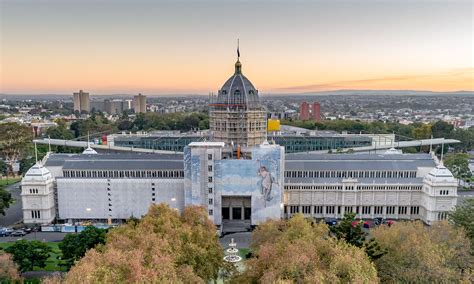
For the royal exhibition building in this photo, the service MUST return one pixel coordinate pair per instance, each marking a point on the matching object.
(241, 175)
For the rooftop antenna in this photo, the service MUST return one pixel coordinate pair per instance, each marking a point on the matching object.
(238, 50)
(431, 143)
(36, 153)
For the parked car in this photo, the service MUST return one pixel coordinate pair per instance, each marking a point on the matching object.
(331, 221)
(18, 233)
(366, 224)
(5, 232)
(378, 221)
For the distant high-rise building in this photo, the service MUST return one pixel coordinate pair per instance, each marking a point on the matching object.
(81, 101)
(316, 111)
(304, 111)
(139, 103)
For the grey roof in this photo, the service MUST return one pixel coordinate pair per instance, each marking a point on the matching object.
(117, 161)
(343, 162)
(367, 181)
(238, 91)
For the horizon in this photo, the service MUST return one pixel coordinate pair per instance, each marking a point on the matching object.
(189, 47)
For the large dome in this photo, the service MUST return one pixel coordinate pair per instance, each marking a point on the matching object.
(238, 92)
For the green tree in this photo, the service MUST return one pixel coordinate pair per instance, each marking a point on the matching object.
(3, 168)
(60, 131)
(28, 254)
(349, 231)
(75, 246)
(5, 200)
(463, 217)
(458, 164)
(422, 132)
(14, 140)
(301, 251)
(442, 129)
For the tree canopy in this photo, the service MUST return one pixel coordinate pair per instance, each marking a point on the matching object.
(164, 246)
(463, 217)
(301, 251)
(458, 164)
(74, 246)
(14, 139)
(8, 269)
(417, 253)
(28, 254)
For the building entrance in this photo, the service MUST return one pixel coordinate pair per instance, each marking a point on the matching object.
(236, 213)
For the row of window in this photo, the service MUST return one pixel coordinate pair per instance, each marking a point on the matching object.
(444, 192)
(34, 191)
(124, 174)
(358, 187)
(350, 174)
(378, 210)
(35, 214)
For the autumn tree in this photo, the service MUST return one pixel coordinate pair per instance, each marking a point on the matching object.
(301, 251)
(28, 254)
(417, 253)
(14, 139)
(8, 269)
(164, 246)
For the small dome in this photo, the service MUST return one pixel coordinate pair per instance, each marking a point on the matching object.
(37, 173)
(393, 151)
(440, 174)
(238, 92)
(89, 151)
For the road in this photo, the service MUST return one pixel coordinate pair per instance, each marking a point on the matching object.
(13, 214)
(40, 236)
(242, 239)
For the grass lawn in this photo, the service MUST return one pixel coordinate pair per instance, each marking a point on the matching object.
(5, 182)
(243, 252)
(52, 264)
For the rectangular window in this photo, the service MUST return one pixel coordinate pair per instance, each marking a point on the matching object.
(306, 209)
(318, 209)
(390, 209)
(209, 168)
(211, 212)
(210, 189)
(378, 210)
(210, 201)
(329, 209)
(209, 179)
(209, 157)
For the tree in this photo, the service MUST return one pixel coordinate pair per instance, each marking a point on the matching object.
(417, 253)
(301, 251)
(60, 131)
(463, 217)
(8, 269)
(422, 132)
(74, 246)
(5, 200)
(14, 139)
(351, 233)
(28, 254)
(458, 164)
(3, 168)
(163, 247)
(441, 129)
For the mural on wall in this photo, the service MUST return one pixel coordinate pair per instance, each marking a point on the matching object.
(259, 178)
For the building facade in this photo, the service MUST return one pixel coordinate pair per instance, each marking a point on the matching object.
(139, 103)
(81, 101)
(241, 179)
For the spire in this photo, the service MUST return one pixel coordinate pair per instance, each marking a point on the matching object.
(238, 65)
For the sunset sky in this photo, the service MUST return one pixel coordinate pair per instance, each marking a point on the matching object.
(181, 47)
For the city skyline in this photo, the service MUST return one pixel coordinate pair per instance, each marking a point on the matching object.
(184, 47)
